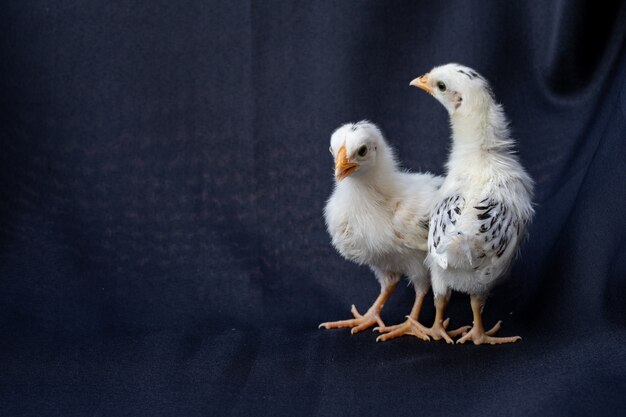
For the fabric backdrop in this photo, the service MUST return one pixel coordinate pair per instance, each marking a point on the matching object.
(163, 170)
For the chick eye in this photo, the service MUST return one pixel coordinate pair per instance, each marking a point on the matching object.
(441, 86)
(362, 151)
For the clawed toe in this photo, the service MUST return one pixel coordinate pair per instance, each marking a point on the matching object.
(407, 328)
(494, 329)
(386, 329)
(479, 336)
(359, 323)
(437, 331)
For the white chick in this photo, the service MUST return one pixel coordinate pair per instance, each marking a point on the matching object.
(484, 204)
(378, 215)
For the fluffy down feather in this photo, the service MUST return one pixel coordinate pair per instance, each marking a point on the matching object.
(377, 214)
(484, 204)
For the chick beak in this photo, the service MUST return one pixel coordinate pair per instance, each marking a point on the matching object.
(422, 82)
(343, 167)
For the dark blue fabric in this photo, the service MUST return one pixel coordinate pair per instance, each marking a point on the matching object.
(163, 169)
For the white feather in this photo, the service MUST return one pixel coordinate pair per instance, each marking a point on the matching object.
(378, 215)
(484, 204)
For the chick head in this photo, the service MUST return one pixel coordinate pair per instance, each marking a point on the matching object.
(460, 89)
(354, 147)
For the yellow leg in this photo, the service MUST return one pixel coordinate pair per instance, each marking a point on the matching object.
(438, 330)
(406, 328)
(413, 327)
(477, 334)
(363, 321)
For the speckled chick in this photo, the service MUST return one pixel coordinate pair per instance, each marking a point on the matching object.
(485, 203)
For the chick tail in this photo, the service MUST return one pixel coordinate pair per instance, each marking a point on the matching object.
(456, 245)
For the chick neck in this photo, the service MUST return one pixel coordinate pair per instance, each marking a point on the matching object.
(479, 135)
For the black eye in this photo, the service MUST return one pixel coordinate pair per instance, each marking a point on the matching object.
(441, 86)
(362, 151)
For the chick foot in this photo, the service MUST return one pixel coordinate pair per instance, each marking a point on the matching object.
(439, 330)
(360, 321)
(409, 328)
(413, 327)
(479, 336)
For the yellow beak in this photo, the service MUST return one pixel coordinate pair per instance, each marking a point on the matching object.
(343, 167)
(422, 82)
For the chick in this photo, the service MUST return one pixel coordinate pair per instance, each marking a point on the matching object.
(484, 204)
(378, 216)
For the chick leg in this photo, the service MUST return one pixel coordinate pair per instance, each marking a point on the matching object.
(439, 328)
(477, 334)
(413, 327)
(406, 328)
(370, 318)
